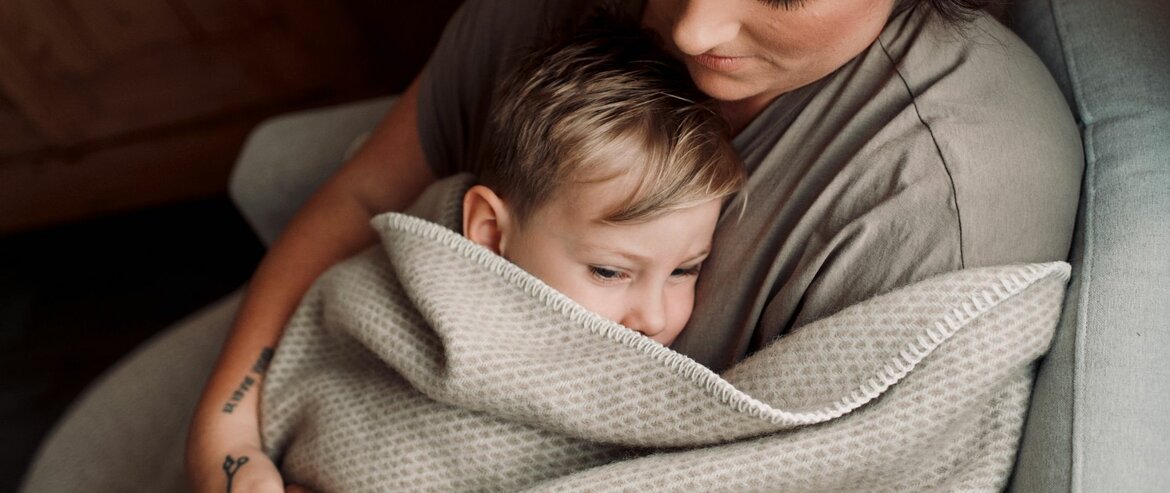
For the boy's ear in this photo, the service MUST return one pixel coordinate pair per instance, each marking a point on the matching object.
(486, 218)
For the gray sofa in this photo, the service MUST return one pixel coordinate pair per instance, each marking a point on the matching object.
(1097, 420)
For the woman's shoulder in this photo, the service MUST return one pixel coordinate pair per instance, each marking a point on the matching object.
(1003, 132)
(978, 72)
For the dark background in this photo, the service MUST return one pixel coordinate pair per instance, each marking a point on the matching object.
(114, 226)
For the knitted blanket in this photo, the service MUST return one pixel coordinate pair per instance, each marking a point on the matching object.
(431, 364)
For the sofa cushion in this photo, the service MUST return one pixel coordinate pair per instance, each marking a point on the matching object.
(289, 156)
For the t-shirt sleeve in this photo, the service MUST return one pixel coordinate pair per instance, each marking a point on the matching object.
(457, 84)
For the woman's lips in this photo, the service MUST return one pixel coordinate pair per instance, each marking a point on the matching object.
(719, 63)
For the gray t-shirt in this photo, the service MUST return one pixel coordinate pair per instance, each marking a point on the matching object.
(936, 149)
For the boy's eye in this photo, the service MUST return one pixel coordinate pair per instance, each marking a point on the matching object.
(605, 274)
(686, 271)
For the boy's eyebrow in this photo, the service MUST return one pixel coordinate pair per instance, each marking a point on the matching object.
(622, 253)
(643, 258)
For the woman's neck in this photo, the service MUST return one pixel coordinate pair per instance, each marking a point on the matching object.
(739, 114)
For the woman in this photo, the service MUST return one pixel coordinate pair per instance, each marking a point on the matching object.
(886, 141)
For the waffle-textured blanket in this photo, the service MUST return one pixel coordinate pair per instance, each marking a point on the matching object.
(431, 364)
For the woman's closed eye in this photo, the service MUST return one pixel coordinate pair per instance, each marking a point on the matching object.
(785, 4)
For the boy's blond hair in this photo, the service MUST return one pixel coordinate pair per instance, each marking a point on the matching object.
(600, 104)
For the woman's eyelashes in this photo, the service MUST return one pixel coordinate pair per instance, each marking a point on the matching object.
(785, 4)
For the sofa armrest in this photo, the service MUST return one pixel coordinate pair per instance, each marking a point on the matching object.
(288, 157)
(1098, 411)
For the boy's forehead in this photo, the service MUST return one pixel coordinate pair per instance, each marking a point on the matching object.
(573, 210)
(590, 201)
(577, 219)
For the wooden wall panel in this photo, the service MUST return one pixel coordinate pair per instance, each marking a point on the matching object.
(330, 40)
(188, 82)
(120, 27)
(160, 75)
(69, 185)
(402, 34)
(107, 105)
(17, 136)
(48, 32)
(37, 48)
(212, 17)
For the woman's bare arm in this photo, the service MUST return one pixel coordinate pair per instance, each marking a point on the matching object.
(387, 173)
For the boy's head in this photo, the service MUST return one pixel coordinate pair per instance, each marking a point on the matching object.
(602, 102)
(603, 174)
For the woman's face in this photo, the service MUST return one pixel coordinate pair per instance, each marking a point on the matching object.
(750, 51)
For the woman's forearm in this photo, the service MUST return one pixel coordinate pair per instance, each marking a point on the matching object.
(227, 418)
(388, 173)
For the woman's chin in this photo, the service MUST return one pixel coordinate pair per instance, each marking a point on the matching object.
(722, 87)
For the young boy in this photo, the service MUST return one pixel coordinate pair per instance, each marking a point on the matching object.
(602, 175)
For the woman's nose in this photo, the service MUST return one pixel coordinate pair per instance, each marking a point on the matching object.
(702, 25)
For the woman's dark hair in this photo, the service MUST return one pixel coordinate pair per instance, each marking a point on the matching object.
(955, 11)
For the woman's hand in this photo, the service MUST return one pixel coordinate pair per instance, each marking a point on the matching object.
(245, 470)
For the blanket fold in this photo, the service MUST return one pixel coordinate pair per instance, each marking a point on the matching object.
(431, 364)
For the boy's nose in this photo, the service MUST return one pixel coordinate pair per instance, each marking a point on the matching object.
(646, 315)
(702, 25)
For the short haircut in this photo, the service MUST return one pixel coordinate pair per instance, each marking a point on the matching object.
(599, 103)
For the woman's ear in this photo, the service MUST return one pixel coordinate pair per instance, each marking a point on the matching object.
(486, 218)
